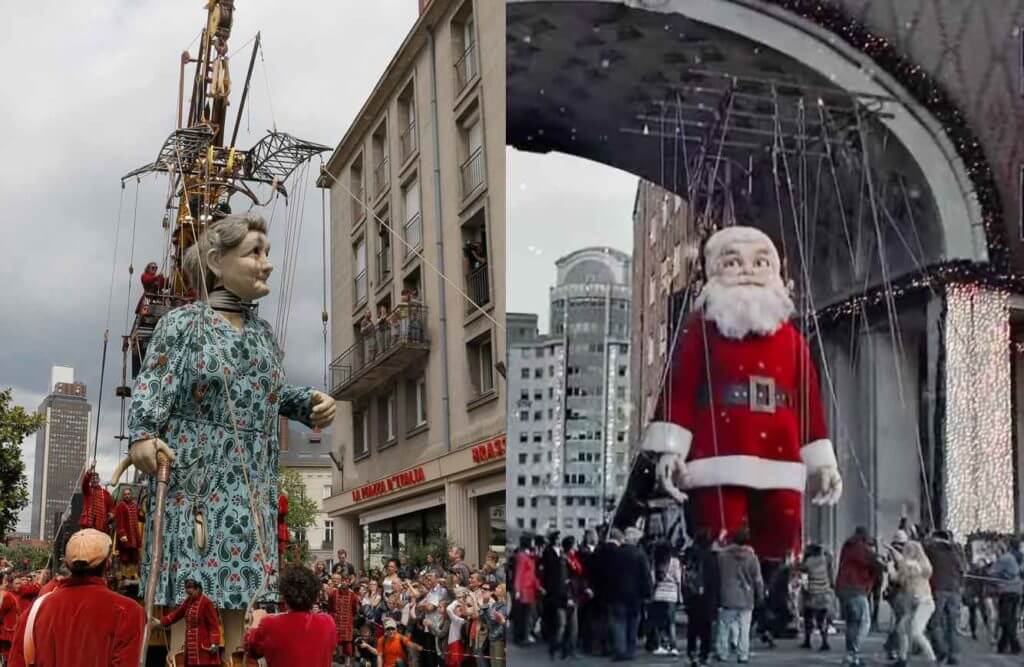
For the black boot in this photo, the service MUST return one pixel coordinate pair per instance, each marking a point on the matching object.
(807, 642)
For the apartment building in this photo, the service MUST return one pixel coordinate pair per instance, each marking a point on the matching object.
(417, 198)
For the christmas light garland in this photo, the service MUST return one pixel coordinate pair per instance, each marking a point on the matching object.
(932, 96)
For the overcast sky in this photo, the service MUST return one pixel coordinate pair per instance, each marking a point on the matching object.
(90, 93)
(556, 204)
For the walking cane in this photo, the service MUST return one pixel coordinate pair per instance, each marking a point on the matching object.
(163, 475)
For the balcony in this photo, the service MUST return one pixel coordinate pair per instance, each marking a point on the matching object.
(383, 265)
(358, 209)
(465, 68)
(407, 142)
(380, 178)
(472, 172)
(381, 352)
(478, 287)
(413, 231)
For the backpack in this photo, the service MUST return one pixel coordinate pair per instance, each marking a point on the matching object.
(693, 577)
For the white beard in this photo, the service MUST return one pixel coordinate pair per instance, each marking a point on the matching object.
(746, 309)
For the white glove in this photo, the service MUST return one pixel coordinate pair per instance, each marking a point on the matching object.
(830, 486)
(143, 454)
(669, 465)
(323, 410)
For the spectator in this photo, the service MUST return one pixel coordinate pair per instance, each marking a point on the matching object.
(949, 565)
(107, 627)
(668, 575)
(527, 589)
(343, 567)
(392, 647)
(320, 570)
(391, 577)
(496, 615)
(858, 568)
(913, 571)
(1007, 584)
(457, 566)
(817, 594)
(555, 579)
(628, 588)
(741, 589)
(461, 609)
(701, 585)
(298, 636)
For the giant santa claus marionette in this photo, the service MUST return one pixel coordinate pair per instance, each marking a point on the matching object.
(745, 426)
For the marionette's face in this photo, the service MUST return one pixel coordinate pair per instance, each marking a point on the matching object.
(244, 269)
(746, 263)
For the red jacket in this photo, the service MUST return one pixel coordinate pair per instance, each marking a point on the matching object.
(202, 629)
(344, 606)
(294, 638)
(8, 615)
(858, 567)
(126, 518)
(97, 506)
(83, 624)
(282, 523)
(526, 581)
(734, 444)
(27, 594)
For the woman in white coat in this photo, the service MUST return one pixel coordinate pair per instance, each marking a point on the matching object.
(913, 570)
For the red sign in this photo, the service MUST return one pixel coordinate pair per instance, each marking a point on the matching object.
(388, 484)
(490, 450)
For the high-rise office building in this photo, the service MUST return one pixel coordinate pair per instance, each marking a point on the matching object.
(569, 398)
(61, 446)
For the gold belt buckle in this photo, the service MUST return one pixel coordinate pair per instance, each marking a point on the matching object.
(762, 394)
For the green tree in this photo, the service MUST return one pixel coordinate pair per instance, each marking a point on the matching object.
(20, 554)
(15, 425)
(302, 511)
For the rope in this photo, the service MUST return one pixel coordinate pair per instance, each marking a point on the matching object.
(323, 259)
(266, 78)
(414, 251)
(131, 258)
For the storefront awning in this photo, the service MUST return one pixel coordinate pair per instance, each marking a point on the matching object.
(432, 499)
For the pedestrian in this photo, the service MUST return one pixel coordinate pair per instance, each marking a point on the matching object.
(343, 605)
(1006, 573)
(392, 647)
(82, 623)
(913, 570)
(741, 588)
(457, 566)
(496, 616)
(555, 579)
(899, 603)
(859, 566)
(298, 636)
(342, 566)
(701, 584)
(202, 627)
(818, 595)
(628, 588)
(458, 612)
(668, 575)
(8, 614)
(949, 565)
(527, 588)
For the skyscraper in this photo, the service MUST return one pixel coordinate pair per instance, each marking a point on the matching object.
(569, 397)
(61, 446)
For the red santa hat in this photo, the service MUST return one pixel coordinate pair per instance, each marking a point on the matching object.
(729, 236)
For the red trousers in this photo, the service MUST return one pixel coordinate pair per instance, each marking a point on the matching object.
(455, 655)
(774, 516)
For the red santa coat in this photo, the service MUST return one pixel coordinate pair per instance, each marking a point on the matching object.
(737, 444)
(126, 519)
(8, 619)
(293, 638)
(83, 624)
(202, 629)
(344, 606)
(97, 506)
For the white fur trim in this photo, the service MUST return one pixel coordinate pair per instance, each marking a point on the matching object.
(818, 454)
(750, 471)
(667, 438)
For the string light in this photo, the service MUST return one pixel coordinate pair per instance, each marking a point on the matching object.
(978, 485)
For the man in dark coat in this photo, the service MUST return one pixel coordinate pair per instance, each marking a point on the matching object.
(629, 581)
(555, 580)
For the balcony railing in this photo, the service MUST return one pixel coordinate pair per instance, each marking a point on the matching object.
(465, 68)
(413, 233)
(472, 172)
(407, 142)
(358, 210)
(380, 177)
(383, 265)
(382, 350)
(478, 287)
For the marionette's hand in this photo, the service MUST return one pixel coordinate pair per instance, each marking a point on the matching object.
(830, 486)
(323, 410)
(671, 467)
(143, 454)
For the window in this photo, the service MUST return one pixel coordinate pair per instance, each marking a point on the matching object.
(533, 524)
(536, 436)
(533, 501)
(536, 458)
(520, 523)
(538, 395)
(359, 281)
(381, 167)
(481, 364)
(581, 523)
(386, 412)
(524, 415)
(538, 415)
(521, 480)
(383, 255)
(327, 491)
(471, 149)
(356, 181)
(464, 43)
(535, 480)
(524, 374)
(475, 262)
(413, 227)
(524, 437)
(407, 121)
(524, 394)
(520, 502)
(538, 373)
(360, 434)
(522, 459)
(416, 403)
(329, 531)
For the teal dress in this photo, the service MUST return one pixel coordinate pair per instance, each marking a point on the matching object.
(194, 359)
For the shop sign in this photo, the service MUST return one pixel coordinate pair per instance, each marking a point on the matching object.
(385, 486)
(490, 450)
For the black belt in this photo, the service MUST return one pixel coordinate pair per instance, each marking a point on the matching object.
(760, 395)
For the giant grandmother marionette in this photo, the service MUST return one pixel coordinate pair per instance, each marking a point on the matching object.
(208, 397)
(745, 426)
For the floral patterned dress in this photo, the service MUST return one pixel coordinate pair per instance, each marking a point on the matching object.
(195, 360)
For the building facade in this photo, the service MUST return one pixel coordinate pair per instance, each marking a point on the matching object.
(569, 398)
(61, 449)
(307, 453)
(417, 289)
